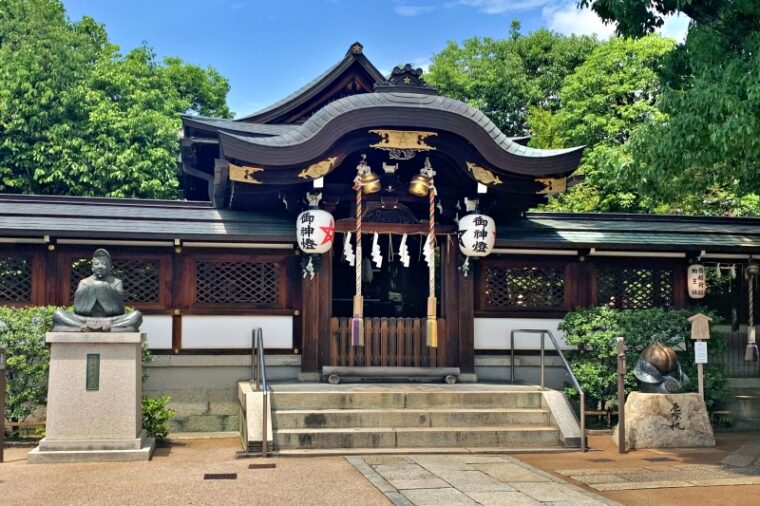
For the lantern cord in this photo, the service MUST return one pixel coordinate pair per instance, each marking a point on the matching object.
(751, 352)
(431, 324)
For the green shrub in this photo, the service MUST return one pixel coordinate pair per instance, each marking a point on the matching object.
(156, 416)
(22, 334)
(594, 332)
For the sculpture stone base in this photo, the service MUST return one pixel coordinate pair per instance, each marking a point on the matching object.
(94, 410)
(666, 421)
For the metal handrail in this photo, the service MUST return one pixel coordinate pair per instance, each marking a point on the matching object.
(259, 378)
(573, 379)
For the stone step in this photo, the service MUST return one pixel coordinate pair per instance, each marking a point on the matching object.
(417, 437)
(314, 400)
(438, 417)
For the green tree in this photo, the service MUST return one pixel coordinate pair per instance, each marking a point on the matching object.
(78, 117)
(602, 103)
(703, 154)
(504, 77)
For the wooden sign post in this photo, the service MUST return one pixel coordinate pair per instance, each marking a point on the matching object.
(700, 334)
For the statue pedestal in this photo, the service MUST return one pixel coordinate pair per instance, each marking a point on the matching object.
(94, 409)
(666, 421)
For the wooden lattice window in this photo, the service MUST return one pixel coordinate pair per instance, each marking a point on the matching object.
(15, 279)
(634, 287)
(524, 287)
(139, 277)
(237, 282)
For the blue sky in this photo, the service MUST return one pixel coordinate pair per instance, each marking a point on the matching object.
(269, 48)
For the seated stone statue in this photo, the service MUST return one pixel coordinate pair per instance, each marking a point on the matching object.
(98, 303)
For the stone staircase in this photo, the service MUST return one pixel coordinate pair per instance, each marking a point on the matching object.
(411, 417)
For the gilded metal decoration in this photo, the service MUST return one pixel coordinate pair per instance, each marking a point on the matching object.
(401, 154)
(319, 169)
(244, 174)
(483, 175)
(403, 139)
(552, 185)
(357, 48)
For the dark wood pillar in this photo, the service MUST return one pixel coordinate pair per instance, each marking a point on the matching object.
(317, 309)
(450, 298)
(466, 294)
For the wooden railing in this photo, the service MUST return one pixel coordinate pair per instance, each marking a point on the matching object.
(387, 342)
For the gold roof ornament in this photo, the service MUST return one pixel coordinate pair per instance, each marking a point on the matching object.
(319, 169)
(403, 140)
(483, 175)
(552, 185)
(244, 174)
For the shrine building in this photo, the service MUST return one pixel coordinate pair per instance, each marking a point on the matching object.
(449, 258)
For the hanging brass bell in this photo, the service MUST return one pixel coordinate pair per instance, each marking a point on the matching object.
(419, 186)
(370, 183)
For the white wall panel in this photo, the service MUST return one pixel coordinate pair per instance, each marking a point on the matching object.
(493, 333)
(159, 331)
(235, 331)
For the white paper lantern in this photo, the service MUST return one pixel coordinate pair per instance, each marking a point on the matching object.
(315, 231)
(477, 235)
(696, 281)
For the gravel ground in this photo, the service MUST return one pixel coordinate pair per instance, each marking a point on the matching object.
(175, 476)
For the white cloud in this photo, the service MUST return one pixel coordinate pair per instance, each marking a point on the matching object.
(569, 19)
(413, 10)
(675, 27)
(502, 6)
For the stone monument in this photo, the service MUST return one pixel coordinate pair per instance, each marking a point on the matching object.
(94, 410)
(661, 416)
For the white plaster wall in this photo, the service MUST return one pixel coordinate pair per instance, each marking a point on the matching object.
(159, 331)
(235, 331)
(493, 333)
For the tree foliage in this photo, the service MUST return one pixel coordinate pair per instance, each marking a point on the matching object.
(22, 334)
(702, 155)
(504, 77)
(602, 102)
(79, 117)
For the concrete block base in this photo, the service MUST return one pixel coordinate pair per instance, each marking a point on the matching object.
(145, 452)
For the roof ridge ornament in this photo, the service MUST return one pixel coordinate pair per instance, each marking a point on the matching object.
(356, 48)
(406, 79)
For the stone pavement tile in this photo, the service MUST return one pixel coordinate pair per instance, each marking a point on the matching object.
(473, 481)
(484, 459)
(402, 472)
(369, 473)
(438, 497)
(509, 472)
(591, 472)
(688, 467)
(549, 491)
(442, 462)
(587, 502)
(398, 499)
(374, 460)
(748, 449)
(640, 485)
(503, 499)
(738, 460)
(745, 480)
(424, 483)
(599, 478)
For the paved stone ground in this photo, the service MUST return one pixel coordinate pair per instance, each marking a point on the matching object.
(488, 480)
(741, 467)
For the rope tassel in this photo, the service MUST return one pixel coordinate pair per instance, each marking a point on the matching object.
(357, 322)
(431, 325)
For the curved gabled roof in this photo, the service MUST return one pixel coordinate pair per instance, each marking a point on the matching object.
(398, 110)
(354, 56)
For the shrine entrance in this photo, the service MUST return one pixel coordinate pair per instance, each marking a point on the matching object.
(395, 288)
